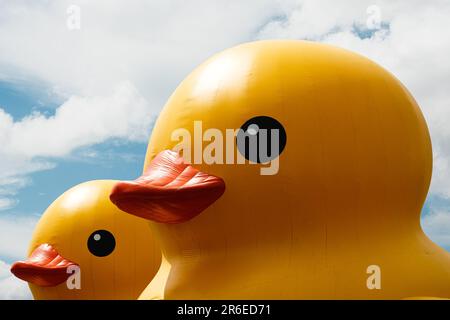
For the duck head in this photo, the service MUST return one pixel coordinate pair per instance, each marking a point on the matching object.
(113, 253)
(354, 167)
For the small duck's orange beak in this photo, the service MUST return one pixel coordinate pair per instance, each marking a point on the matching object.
(170, 191)
(45, 267)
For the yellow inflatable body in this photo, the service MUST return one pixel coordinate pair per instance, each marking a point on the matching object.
(115, 253)
(344, 204)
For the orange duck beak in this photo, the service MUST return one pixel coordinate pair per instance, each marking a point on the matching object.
(45, 267)
(170, 191)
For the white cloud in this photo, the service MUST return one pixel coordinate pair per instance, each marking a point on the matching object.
(437, 226)
(79, 122)
(6, 203)
(153, 44)
(13, 175)
(12, 288)
(15, 235)
(10, 184)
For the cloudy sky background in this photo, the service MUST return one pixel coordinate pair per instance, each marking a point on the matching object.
(79, 104)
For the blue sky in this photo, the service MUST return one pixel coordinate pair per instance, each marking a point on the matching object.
(113, 159)
(78, 104)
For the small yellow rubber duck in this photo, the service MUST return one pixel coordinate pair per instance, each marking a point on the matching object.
(85, 248)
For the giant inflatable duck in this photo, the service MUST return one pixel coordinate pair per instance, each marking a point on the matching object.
(113, 253)
(352, 164)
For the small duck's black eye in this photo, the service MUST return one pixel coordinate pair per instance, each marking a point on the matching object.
(101, 243)
(261, 139)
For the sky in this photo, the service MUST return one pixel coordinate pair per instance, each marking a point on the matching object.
(82, 82)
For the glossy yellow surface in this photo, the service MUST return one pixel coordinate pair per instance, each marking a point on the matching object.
(349, 191)
(67, 225)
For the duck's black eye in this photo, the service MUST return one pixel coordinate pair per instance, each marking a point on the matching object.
(261, 139)
(101, 243)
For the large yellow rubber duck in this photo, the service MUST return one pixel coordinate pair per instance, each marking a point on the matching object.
(114, 253)
(338, 217)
